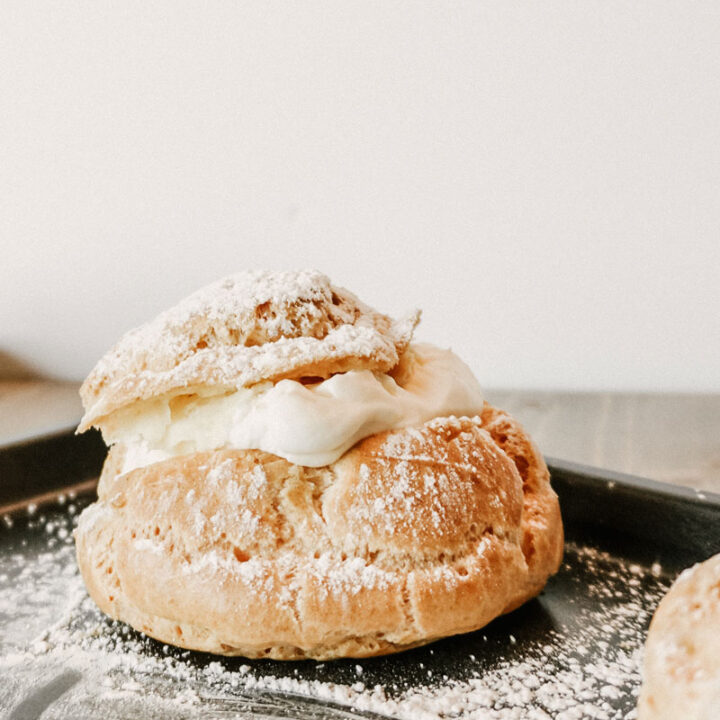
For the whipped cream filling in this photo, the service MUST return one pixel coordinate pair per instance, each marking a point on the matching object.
(307, 424)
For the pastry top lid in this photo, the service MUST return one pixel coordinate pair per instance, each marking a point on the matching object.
(242, 330)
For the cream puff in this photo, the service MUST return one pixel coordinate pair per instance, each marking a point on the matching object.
(289, 476)
(681, 668)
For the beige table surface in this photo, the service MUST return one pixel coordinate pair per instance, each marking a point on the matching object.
(670, 437)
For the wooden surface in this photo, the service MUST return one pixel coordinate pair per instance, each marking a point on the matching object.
(673, 438)
(31, 407)
(669, 437)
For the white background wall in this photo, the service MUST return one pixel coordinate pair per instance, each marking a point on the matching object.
(542, 178)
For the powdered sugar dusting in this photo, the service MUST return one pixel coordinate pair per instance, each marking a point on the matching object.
(574, 653)
(241, 330)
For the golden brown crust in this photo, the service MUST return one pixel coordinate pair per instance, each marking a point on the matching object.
(242, 330)
(542, 529)
(681, 667)
(414, 534)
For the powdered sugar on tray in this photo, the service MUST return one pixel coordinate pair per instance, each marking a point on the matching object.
(574, 653)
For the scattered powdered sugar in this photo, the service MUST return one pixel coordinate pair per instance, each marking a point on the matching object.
(574, 653)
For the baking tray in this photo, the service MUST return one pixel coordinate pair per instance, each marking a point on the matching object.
(573, 652)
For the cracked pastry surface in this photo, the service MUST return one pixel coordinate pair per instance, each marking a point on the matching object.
(429, 527)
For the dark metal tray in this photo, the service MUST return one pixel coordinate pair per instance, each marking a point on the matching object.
(573, 652)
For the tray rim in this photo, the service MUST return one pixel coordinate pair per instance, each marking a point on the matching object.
(603, 478)
(17, 441)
